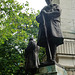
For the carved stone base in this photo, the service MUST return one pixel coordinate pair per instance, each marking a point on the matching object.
(51, 70)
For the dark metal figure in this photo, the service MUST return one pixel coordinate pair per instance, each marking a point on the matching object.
(31, 57)
(49, 35)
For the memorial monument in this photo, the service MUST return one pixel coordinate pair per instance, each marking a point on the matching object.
(49, 37)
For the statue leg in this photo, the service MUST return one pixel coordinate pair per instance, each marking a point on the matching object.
(48, 54)
(33, 71)
(53, 50)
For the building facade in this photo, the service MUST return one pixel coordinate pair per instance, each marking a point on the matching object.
(66, 52)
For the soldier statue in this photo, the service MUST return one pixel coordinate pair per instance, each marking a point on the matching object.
(49, 35)
(31, 57)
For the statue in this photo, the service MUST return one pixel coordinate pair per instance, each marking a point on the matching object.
(49, 35)
(31, 57)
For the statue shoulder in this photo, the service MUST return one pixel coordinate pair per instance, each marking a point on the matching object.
(45, 7)
(56, 5)
(32, 42)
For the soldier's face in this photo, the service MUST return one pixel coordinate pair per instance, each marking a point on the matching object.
(48, 1)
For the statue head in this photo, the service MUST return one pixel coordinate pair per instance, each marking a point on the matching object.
(48, 1)
(31, 39)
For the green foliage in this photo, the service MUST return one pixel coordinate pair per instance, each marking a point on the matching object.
(16, 28)
(42, 54)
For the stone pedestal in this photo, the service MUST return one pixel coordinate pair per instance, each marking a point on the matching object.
(51, 70)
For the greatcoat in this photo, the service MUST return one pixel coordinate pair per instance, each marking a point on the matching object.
(49, 17)
(31, 56)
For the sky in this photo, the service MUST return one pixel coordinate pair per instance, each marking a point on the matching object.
(35, 4)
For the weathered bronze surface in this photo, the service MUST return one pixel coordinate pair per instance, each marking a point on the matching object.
(49, 35)
(31, 57)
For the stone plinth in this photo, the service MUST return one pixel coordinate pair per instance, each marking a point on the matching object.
(52, 70)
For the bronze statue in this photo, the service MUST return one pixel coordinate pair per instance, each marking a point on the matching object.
(31, 57)
(49, 35)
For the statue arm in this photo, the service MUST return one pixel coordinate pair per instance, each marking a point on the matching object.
(54, 13)
(39, 18)
(30, 47)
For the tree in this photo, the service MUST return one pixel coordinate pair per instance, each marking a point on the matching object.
(15, 29)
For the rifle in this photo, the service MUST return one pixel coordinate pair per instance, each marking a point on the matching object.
(45, 28)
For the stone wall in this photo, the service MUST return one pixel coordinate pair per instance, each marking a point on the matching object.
(68, 16)
(66, 52)
(67, 48)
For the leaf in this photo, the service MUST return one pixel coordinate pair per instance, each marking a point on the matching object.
(17, 28)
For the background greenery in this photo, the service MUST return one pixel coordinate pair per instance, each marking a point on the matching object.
(16, 27)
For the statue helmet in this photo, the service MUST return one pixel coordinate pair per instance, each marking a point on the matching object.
(31, 39)
(48, 1)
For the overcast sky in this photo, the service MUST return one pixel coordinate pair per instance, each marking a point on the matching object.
(36, 4)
